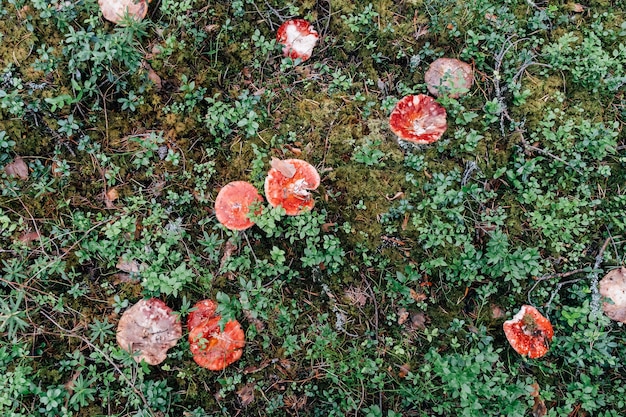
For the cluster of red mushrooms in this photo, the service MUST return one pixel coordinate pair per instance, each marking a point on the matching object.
(288, 184)
(150, 328)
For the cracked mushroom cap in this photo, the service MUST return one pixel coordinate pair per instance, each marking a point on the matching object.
(114, 10)
(211, 347)
(449, 76)
(203, 310)
(613, 288)
(233, 202)
(418, 119)
(288, 184)
(150, 328)
(298, 38)
(529, 333)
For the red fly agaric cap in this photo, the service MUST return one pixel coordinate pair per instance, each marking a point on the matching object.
(449, 76)
(529, 333)
(288, 183)
(298, 38)
(150, 328)
(613, 288)
(212, 348)
(114, 10)
(418, 119)
(233, 202)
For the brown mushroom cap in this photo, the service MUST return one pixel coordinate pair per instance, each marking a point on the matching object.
(288, 183)
(418, 119)
(529, 333)
(613, 287)
(150, 328)
(233, 202)
(449, 76)
(114, 10)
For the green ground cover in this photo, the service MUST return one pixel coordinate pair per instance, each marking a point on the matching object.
(388, 298)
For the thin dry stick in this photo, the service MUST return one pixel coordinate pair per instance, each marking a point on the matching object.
(595, 295)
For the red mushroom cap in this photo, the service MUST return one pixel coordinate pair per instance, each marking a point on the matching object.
(149, 327)
(298, 37)
(418, 119)
(214, 349)
(449, 75)
(114, 10)
(204, 310)
(529, 333)
(288, 183)
(232, 204)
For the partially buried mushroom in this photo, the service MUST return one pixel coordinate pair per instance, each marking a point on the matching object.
(211, 347)
(418, 119)
(449, 76)
(233, 202)
(529, 333)
(115, 10)
(298, 38)
(613, 288)
(149, 328)
(289, 183)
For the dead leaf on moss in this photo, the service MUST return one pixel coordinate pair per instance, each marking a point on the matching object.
(229, 249)
(497, 312)
(29, 237)
(404, 370)
(17, 168)
(132, 267)
(417, 296)
(357, 296)
(403, 315)
(576, 7)
(418, 321)
(246, 394)
(287, 169)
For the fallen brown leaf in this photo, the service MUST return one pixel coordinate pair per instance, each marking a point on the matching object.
(29, 237)
(284, 167)
(132, 267)
(356, 296)
(497, 312)
(246, 394)
(404, 370)
(417, 296)
(17, 168)
(418, 321)
(403, 315)
(576, 7)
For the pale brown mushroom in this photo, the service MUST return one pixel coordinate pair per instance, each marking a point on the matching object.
(613, 288)
(449, 76)
(149, 328)
(114, 10)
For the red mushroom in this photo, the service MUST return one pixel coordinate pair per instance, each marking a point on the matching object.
(298, 37)
(449, 76)
(233, 202)
(212, 348)
(150, 328)
(613, 288)
(529, 333)
(204, 310)
(418, 119)
(114, 10)
(288, 183)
